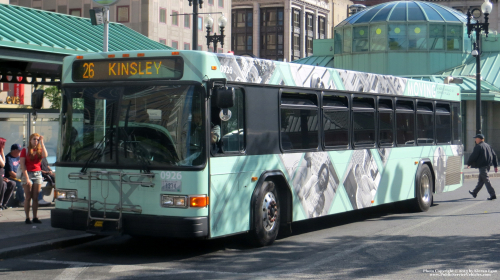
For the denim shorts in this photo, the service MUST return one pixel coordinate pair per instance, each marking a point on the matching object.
(35, 177)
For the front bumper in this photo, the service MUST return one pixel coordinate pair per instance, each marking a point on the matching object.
(137, 224)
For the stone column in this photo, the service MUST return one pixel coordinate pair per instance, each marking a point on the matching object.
(256, 29)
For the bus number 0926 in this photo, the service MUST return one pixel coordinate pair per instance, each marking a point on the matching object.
(226, 69)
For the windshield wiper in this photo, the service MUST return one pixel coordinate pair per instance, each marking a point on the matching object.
(94, 154)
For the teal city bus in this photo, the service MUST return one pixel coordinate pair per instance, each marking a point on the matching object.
(191, 144)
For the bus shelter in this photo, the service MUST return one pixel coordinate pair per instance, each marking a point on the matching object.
(33, 44)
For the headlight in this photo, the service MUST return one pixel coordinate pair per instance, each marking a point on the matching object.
(173, 201)
(67, 194)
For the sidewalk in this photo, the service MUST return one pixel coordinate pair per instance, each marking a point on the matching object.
(18, 238)
(473, 173)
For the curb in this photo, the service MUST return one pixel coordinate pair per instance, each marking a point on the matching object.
(472, 176)
(37, 247)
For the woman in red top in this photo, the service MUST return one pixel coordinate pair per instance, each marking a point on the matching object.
(31, 164)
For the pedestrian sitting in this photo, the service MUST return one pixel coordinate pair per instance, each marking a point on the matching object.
(6, 186)
(482, 158)
(31, 164)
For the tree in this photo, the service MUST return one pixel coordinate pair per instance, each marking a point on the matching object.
(53, 94)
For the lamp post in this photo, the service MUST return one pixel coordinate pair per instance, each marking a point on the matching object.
(478, 27)
(195, 4)
(209, 22)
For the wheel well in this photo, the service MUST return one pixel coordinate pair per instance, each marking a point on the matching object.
(429, 164)
(284, 194)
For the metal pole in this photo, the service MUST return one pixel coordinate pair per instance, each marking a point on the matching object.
(106, 29)
(478, 82)
(195, 25)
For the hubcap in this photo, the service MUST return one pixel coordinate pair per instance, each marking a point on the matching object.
(269, 211)
(425, 190)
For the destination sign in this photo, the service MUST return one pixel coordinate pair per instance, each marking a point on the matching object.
(170, 68)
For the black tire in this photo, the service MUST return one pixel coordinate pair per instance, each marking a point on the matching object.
(265, 215)
(424, 187)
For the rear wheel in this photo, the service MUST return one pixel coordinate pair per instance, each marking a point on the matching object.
(423, 189)
(266, 214)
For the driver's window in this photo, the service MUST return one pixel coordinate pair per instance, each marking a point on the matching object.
(231, 132)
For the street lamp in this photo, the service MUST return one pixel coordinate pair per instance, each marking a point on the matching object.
(209, 23)
(478, 27)
(195, 4)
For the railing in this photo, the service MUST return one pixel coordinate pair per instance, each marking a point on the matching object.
(123, 178)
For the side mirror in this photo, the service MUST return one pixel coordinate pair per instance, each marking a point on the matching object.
(224, 97)
(37, 99)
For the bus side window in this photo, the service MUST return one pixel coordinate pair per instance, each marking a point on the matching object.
(232, 131)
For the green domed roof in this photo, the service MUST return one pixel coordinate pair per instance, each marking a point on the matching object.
(406, 11)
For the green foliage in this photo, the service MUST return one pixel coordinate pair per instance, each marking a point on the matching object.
(53, 94)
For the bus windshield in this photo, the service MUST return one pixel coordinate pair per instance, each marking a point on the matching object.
(131, 126)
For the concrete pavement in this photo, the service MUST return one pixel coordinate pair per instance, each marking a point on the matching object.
(18, 238)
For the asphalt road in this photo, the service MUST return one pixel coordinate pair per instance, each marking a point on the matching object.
(458, 238)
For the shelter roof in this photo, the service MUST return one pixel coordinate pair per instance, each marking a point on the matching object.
(38, 30)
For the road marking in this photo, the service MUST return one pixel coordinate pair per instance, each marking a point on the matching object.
(71, 272)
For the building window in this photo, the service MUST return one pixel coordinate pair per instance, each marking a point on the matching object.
(397, 37)
(187, 21)
(187, 46)
(321, 28)
(211, 49)
(75, 12)
(221, 3)
(454, 38)
(271, 33)
(175, 44)
(163, 41)
(200, 47)
(200, 23)
(360, 40)
(417, 37)
(122, 13)
(309, 33)
(242, 31)
(210, 2)
(163, 15)
(296, 46)
(175, 18)
(378, 37)
(219, 50)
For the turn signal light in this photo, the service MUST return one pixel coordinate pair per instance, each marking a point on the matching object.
(125, 55)
(198, 201)
(140, 54)
(214, 67)
(79, 57)
(175, 53)
(111, 56)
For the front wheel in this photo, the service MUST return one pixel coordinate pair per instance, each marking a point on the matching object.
(266, 214)
(424, 188)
